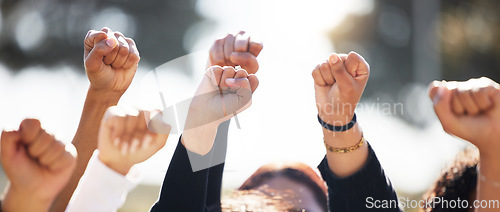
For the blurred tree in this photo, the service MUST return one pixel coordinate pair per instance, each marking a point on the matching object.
(51, 31)
(470, 39)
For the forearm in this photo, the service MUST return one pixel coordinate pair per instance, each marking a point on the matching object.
(85, 140)
(488, 187)
(18, 201)
(358, 191)
(345, 164)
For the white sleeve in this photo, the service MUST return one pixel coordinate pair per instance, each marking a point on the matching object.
(101, 189)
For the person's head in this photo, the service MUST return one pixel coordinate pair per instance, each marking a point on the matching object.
(456, 181)
(254, 200)
(295, 182)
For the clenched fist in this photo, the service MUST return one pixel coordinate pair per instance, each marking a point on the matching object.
(223, 93)
(125, 140)
(470, 110)
(37, 165)
(236, 50)
(110, 60)
(339, 83)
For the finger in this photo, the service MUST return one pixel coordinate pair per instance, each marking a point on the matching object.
(157, 125)
(496, 103)
(482, 98)
(228, 72)
(53, 152)
(110, 57)
(9, 143)
(216, 53)
(241, 42)
(457, 106)
(133, 57)
(254, 82)
(123, 51)
(214, 73)
(113, 123)
(464, 95)
(106, 30)
(357, 66)
(41, 143)
(241, 73)
(433, 88)
(66, 160)
(342, 77)
(246, 60)
(94, 59)
(29, 130)
(141, 121)
(255, 47)
(343, 57)
(318, 78)
(228, 48)
(325, 71)
(91, 39)
(130, 125)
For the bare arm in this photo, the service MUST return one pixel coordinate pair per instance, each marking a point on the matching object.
(110, 62)
(471, 110)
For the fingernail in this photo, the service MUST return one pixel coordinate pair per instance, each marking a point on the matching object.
(230, 81)
(438, 95)
(111, 42)
(334, 58)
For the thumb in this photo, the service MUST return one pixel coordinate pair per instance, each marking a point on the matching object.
(342, 77)
(93, 62)
(8, 146)
(442, 107)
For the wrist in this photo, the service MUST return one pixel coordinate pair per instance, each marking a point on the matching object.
(118, 166)
(104, 97)
(336, 119)
(489, 166)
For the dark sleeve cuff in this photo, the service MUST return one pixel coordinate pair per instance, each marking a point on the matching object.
(351, 193)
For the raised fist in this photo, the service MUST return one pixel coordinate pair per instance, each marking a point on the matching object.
(469, 110)
(235, 50)
(37, 165)
(110, 60)
(125, 140)
(223, 93)
(339, 83)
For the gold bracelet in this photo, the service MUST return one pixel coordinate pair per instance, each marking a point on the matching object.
(347, 149)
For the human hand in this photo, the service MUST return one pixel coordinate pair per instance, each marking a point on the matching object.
(470, 110)
(223, 93)
(339, 83)
(111, 61)
(234, 50)
(125, 139)
(37, 165)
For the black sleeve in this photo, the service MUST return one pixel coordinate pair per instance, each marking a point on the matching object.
(187, 186)
(361, 190)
